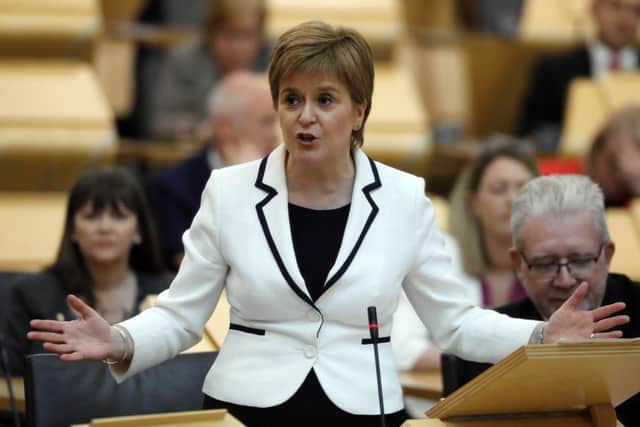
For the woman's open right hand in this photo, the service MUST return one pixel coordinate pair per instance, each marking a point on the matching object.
(89, 337)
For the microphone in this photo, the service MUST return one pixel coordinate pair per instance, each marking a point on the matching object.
(4, 365)
(373, 331)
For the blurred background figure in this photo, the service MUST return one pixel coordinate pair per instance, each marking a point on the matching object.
(613, 49)
(232, 39)
(243, 123)
(614, 159)
(108, 256)
(480, 210)
(500, 17)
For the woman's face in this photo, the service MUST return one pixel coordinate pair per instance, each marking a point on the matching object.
(499, 185)
(317, 116)
(236, 45)
(105, 237)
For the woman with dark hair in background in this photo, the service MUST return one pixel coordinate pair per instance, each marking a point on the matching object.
(108, 256)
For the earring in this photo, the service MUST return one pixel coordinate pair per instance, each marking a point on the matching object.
(137, 239)
(72, 237)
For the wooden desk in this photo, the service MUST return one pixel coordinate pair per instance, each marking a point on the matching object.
(32, 226)
(17, 384)
(424, 384)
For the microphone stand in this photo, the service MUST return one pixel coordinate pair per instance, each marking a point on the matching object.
(373, 330)
(4, 362)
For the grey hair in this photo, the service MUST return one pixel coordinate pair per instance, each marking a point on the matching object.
(558, 194)
(231, 95)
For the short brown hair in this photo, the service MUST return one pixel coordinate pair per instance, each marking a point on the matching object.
(219, 11)
(317, 47)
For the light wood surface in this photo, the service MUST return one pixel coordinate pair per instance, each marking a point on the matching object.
(45, 28)
(32, 225)
(550, 378)
(623, 231)
(54, 123)
(397, 130)
(565, 20)
(213, 417)
(17, 384)
(560, 421)
(635, 213)
(590, 103)
(424, 384)
(378, 21)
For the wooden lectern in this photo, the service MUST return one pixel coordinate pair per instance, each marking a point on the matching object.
(208, 418)
(568, 385)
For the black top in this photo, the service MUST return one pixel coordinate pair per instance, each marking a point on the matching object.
(317, 235)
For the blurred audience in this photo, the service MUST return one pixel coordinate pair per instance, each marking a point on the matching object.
(499, 17)
(614, 48)
(614, 159)
(108, 256)
(233, 38)
(243, 123)
(560, 241)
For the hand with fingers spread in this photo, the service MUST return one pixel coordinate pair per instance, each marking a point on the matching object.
(89, 337)
(571, 323)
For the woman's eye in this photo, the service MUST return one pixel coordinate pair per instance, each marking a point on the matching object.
(325, 100)
(291, 100)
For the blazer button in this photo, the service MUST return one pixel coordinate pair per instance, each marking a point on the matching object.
(313, 315)
(310, 352)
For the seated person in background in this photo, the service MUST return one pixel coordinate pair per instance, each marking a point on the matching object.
(108, 256)
(614, 48)
(243, 124)
(233, 39)
(479, 223)
(560, 240)
(479, 215)
(614, 159)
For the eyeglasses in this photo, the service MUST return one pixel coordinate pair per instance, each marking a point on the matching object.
(578, 268)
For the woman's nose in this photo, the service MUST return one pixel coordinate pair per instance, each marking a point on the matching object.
(307, 114)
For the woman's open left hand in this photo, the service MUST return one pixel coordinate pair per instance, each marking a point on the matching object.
(88, 337)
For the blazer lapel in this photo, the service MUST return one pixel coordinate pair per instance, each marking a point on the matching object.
(273, 214)
(362, 214)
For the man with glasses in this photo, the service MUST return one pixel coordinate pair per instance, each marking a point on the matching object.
(561, 240)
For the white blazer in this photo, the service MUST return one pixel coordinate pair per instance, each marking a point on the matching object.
(241, 240)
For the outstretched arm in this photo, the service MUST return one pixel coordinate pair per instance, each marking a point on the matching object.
(89, 337)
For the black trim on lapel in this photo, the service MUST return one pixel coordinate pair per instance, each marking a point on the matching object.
(271, 193)
(372, 215)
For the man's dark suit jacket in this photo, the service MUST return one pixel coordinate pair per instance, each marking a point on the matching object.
(546, 97)
(619, 288)
(175, 199)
